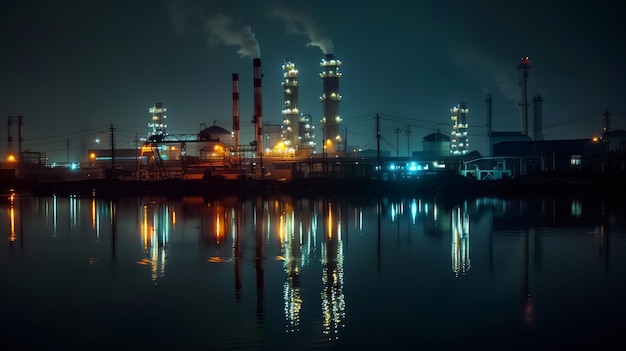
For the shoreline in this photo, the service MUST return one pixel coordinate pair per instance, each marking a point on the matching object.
(597, 185)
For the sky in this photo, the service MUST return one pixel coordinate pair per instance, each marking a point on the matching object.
(74, 69)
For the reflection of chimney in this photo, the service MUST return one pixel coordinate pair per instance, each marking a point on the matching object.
(537, 118)
(236, 109)
(258, 108)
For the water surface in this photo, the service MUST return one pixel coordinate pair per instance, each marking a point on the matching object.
(322, 273)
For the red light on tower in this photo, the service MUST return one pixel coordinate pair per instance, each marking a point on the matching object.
(525, 62)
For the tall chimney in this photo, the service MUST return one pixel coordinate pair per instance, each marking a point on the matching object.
(537, 118)
(235, 110)
(10, 137)
(20, 137)
(258, 108)
(523, 66)
(489, 113)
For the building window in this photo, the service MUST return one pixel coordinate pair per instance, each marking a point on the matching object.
(575, 160)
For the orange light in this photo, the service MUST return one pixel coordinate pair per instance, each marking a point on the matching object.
(595, 139)
(11, 158)
(92, 156)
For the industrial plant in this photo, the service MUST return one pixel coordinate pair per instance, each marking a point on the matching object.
(288, 151)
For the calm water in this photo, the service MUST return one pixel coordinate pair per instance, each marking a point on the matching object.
(283, 273)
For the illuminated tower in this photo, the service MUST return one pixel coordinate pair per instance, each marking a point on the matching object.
(291, 114)
(523, 66)
(307, 133)
(330, 99)
(459, 143)
(157, 124)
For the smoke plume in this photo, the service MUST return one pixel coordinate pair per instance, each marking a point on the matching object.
(503, 76)
(198, 16)
(297, 23)
(228, 31)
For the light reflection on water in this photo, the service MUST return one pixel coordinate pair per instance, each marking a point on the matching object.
(279, 272)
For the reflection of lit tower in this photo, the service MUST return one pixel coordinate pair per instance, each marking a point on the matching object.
(460, 241)
(260, 253)
(459, 143)
(330, 100)
(292, 253)
(291, 114)
(12, 222)
(157, 124)
(155, 234)
(523, 66)
(333, 302)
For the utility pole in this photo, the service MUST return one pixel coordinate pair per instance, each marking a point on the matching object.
(408, 134)
(345, 141)
(67, 147)
(112, 137)
(378, 144)
(397, 131)
(605, 138)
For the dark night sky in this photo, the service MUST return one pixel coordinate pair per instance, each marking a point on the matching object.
(73, 68)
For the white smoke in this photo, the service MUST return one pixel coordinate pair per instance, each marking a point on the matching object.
(504, 76)
(191, 16)
(298, 23)
(186, 15)
(228, 31)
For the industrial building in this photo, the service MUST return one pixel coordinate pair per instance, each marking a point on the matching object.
(288, 151)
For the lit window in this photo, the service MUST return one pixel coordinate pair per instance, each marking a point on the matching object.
(575, 160)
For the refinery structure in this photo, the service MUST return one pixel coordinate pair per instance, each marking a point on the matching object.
(288, 150)
(331, 121)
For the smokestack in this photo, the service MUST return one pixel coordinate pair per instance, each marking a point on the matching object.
(9, 136)
(523, 66)
(489, 113)
(537, 118)
(20, 136)
(236, 109)
(20, 140)
(258, 108)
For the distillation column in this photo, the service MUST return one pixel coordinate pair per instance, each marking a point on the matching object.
(459, 141)
(291, 113)
(330, 99)
(157, 124)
